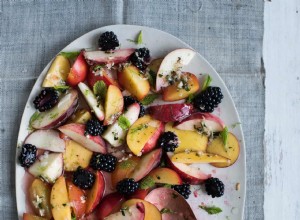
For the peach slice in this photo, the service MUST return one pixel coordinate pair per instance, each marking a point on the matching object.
(143, 135)
(151, 212)
(133, 81)
(39, 193)
(165, 198)
(146, 164)
(198, 157)
(27, 216)
(124, 169)
(76, 156)
(59, 200)
(77, 198)
(98, 73)
(189, 84)
(110, 204)
(96, 193)
(77, 132)
(134, 212)
(211, 122)
(165, 176)
(57, 73)
(78, 72)
(113, 105)
(190, 174)
(80, 116)
(172, 62)
(188, 140)
(102, 57)
(170, 112)
(231, 151)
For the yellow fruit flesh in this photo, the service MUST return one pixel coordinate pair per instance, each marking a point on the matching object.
(151, 212)
(188, 140)
(231, 151)
(61, 209)
(198, 157)
(57, 73)
(81, 116)
(113, 104)
(165, 176)
(75, 156)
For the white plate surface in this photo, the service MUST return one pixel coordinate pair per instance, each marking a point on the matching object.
(160, 43)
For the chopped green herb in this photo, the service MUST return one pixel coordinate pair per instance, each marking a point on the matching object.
(70, 55)
(224, 136)
(168, 186)
(115, 134)
(207, 82)
(140, 38)
(61, 88)
(123, 210)
(123, 122)
(34, 117)
(147, 182)
(149, 99)
(166, 210)
(54, 115)
(235, 124)
(190, 98)
(211, 209)
(100, 89)
(127, 164)
(138, 128)
(152, 78)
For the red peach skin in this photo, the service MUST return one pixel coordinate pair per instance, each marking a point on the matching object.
(170, 112)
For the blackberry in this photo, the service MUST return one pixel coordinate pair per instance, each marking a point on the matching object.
(105, 162)
(127, 186)
(209, 99)
(168, 141)
(214, 187)
(94, 127)
(108, 41)
(140, 58)
(128, 100)
(46, 99)
(184, 190)
(84, 179)
(28, 155)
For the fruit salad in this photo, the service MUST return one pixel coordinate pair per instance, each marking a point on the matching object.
(102, 147)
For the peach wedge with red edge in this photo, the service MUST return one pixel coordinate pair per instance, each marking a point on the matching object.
(231, 151)
(188, 173)
(102, 57)
(95, 194)
(188, 140)
(113, 106)
(46, 140)
(134, 212)
(81, 116)
(78, 72)
(92, 100)
(143, 135)
(124, 169)
(57, 73)
(77, 133)
(188, 85)
(173, 61)
(59, 200)
(212, 122)
(165, 198)
(39, 194)
(151, 212)
(57, 115)
(147, 163)
(100, 72)
(77, 198)
(133, 81)
(170, 112)
(165, 176)
(27, 216)
(110, 204)
(198, 157)
(76, 156)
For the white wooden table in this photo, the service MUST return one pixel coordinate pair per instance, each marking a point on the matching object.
(281, 53)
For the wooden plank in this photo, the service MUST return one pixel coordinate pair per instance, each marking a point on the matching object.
(282, 146)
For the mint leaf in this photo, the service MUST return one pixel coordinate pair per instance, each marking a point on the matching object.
(235, 124)
(123, 122)
(61, 88)
(100, 89)
(166, 210)
(140, 38)
(70, 55)
(207, 82)
(34, 117)
(152, 78)
(224, 136)
(212, 210)
(190, 98)
(149, 99)
(147, 182)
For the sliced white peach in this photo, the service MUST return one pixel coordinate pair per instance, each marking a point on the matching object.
(91, 100)
(114, 134)
(172, 62)
(151, 212)
(103, 57)
(198, 157)
(113, 104)
(77, 133)
(46, 140)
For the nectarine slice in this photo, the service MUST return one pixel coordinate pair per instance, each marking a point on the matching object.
(96, 193)
(165, 176)
(77, 198)
(198, 157)
(113, 104)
